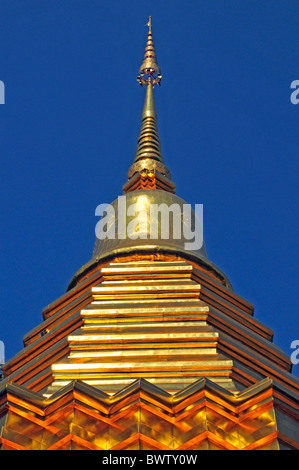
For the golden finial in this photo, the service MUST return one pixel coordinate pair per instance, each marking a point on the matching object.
(148, 157)
(149, 70)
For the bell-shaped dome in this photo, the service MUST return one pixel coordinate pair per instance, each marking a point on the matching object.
(149, 219)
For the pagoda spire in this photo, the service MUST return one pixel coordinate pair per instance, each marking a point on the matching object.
(148, 164)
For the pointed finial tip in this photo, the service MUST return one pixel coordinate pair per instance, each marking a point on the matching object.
(149, 24)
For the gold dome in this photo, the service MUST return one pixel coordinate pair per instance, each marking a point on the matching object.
(122, 240)
(150, 231)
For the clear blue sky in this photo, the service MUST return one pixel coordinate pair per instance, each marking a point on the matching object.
(69, 128)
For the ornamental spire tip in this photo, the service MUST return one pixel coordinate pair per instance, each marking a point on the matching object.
(149, 24)
(149, 71)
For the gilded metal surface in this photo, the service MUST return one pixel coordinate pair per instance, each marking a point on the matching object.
(149, 69)
(148, 164)
(148, 154)
(123, 243)
(149, 180)
(160, 341)
(135, 374)
(156, 307)
(147, 319)
(142, 416)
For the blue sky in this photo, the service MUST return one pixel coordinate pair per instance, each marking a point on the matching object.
(228, 131)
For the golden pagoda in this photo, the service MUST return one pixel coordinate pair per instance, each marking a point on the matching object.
(149, 348)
